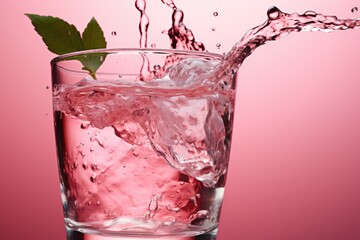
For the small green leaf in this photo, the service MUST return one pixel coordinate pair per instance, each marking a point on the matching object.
(93, 38)
(59, 36)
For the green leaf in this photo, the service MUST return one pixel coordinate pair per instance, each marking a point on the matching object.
(92, 62)
(93, 38)
(59, 36)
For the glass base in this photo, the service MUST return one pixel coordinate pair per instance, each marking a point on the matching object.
(76, 235)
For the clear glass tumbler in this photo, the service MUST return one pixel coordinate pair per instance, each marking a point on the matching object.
(143, 144)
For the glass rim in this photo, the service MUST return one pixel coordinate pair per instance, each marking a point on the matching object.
(63, 57)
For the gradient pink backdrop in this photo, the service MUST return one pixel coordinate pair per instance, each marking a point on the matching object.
(295, 167)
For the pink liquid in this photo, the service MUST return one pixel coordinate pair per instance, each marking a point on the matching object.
(157, 165)
(143, 157)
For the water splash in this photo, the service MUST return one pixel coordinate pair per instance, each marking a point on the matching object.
(278, 25)
(180, 36)
(144, 22)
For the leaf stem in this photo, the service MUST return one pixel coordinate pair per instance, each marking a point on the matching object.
(92, 74)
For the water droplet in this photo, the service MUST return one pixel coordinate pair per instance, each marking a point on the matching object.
(98, 203)
(85, 166)
(113, 33)
(273, 13)
(354, 9)
(95, 167)
(170, 3)
(74, 165)
(218, 45)
(135, 154)
(93, 178)
(84, 126)
(216, 14)
(89, 203)
(153, 45)
(101, 58)
(82, 154)
(213, 29)
(140, 5)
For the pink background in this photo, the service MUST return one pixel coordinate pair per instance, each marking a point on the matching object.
(295, 167)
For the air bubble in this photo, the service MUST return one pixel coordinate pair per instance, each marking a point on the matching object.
(93, 178)
(216, 14)
(82, 154)
(153, 45)
(85, 166)
(218, 45)
(354, 9)
(74, 165)
(213, 29)
(84, 126)
(95, 167)
(157, 67)
(135, 154)
(113, 33)
(47, 87)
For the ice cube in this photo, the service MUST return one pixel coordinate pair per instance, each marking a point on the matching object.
(190, 72)
(190, 134)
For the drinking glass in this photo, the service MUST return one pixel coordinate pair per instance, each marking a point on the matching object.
(143, 144)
